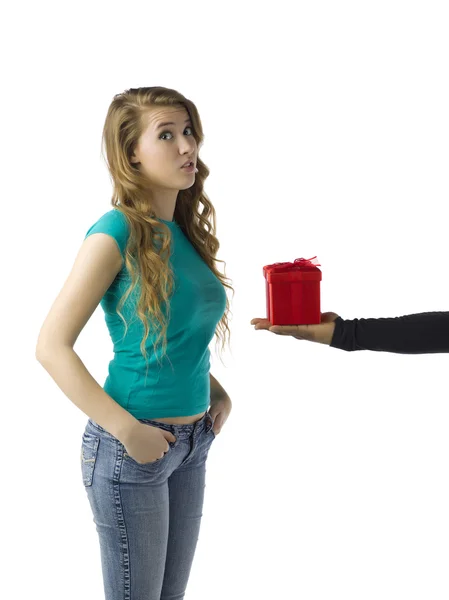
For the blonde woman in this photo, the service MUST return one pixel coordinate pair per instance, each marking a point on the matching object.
(150, 262)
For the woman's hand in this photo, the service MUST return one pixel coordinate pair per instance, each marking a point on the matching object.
(219, 411)
(321, 333)
(147, 443)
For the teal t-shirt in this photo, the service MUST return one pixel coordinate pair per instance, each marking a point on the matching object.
(179, 384)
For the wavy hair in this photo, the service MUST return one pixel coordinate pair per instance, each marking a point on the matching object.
(148, 249)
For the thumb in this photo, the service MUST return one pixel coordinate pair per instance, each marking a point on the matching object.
(168, 435)
(328, 317)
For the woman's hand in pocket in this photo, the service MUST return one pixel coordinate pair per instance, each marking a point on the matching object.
(146, 443)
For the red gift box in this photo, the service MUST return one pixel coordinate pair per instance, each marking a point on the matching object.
(293, 292)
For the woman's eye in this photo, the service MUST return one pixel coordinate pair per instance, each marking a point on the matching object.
(188, 129)
(161, 137)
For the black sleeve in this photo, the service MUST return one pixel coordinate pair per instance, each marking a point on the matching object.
(422, 333)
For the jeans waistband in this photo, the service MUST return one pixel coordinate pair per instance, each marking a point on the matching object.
(186, 429)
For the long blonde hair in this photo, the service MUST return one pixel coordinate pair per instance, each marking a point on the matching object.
(148, 263)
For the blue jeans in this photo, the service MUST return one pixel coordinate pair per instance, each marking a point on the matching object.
(147, 516)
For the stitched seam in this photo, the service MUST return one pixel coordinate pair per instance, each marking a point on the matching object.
(124, 546)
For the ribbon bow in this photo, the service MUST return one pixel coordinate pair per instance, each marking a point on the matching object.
(306, 262)
(298, 262)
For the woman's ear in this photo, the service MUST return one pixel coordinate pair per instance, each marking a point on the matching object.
(134, 159)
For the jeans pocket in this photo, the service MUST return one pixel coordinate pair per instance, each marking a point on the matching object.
(89, 451)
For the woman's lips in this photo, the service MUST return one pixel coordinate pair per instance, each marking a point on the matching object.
(189, 168)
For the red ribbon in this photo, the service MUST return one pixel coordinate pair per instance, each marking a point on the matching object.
(298, 263)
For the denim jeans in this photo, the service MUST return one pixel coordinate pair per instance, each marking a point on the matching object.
(147, 516)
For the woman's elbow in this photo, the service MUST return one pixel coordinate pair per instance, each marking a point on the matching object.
(46, 350)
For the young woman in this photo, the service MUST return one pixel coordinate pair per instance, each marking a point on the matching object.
(150, 262)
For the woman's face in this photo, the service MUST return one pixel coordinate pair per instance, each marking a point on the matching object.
(165, 145)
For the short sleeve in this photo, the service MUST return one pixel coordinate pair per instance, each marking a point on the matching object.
(112, 223)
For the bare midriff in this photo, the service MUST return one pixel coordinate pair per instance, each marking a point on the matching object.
(181, 420)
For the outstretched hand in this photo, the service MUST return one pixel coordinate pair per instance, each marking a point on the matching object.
(321, 333)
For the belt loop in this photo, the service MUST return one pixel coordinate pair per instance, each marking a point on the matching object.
(197, 427)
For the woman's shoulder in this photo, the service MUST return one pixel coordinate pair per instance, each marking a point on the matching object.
(112, 223)
(113, 218)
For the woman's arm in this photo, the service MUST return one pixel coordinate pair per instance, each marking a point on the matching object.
(216, 391)
(95, 268)
(421, 333)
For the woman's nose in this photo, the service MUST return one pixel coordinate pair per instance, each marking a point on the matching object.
(186, 146)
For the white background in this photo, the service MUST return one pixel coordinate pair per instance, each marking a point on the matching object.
(326, 134)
